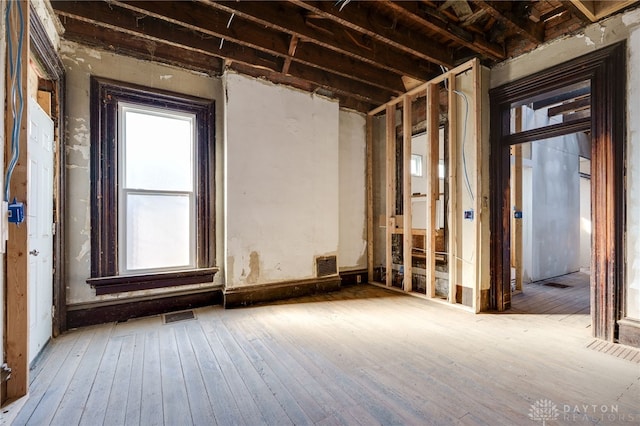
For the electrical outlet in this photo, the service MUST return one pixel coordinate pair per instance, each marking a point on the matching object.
(468, 214)
(358, 279)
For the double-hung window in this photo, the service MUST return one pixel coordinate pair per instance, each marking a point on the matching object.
(152, 188)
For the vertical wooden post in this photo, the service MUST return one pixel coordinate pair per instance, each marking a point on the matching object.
(407, 225)
(517, 188)
(391, 189)
(17, 284)
(453, 211)
(369, 173)
(476, 140)
(433, 183)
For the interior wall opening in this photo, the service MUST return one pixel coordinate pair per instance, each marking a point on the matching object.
(426, 191)
(550, 191)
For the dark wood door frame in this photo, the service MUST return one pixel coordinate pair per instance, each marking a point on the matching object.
(606, 70)
(45, 53)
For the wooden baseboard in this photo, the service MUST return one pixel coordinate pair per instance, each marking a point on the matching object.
(249, 295)
(629, 332)
(123, 311)
(485, 300)
(360, 276)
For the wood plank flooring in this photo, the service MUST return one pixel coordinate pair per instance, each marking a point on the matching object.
(361, 356)
(569, 305)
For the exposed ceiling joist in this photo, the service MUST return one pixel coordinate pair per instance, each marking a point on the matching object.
(421, 15)
(278, 16)
(533, 31)
(359, 18)
(157, 30)
(360, 52)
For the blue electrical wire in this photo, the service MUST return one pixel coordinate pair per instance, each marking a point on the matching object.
(464, 138)
(16, 87)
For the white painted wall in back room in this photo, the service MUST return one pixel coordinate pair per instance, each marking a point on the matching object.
(282, 180)
(352, 253)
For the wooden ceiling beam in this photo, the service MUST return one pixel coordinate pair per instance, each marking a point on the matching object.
(217, 23)
(532, 31)
(158, 31)
(141, 48)
(422, 15)
(278, 16)
(358, 17)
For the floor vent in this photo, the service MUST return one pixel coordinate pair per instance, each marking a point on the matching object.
(619, 351)
(178, 316)
(326, 265)
(556, 285)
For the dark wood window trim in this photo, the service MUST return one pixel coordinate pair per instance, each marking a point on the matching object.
(105, 96)
(606, 70)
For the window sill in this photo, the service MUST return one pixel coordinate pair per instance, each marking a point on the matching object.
(124, 283)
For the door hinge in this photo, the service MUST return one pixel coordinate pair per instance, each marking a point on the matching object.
(5, 372)
(53, 228)
(53, 311)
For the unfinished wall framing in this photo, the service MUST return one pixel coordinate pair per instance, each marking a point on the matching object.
(425, 189)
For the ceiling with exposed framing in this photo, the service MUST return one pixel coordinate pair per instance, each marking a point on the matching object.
(361, 52)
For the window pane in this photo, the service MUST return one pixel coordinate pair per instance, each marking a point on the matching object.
(158, 231)
(158, 151)
(558, 106)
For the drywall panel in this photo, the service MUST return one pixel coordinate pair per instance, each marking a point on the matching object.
(81, 63)
(282, 181)
(585, 223)
(352, 249)
(466, 183)
(556, 207)
(633, 179)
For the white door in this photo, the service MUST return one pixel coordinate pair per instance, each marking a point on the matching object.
(39, 213)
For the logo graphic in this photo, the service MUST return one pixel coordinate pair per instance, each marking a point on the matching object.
(543, 411)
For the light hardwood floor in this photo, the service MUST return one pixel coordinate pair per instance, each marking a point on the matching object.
(361, 356)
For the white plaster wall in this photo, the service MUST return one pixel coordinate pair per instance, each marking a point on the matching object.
(352, 249)
(81, 62)
(282, 182)
(379, 161)
(633, 178)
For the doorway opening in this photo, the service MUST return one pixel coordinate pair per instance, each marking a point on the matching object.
(582, 96)
(550, 187)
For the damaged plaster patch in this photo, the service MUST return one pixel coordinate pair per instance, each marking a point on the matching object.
(84, 250)
(166, 77)
(82, 149)
(254, 268)
(587, 39)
